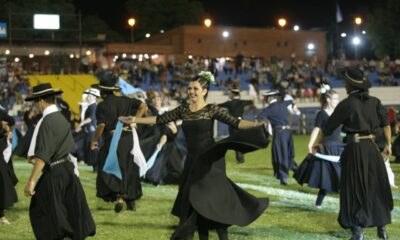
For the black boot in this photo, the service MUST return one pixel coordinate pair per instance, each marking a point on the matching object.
(119, 205)
(381, 233)
(357, 233)
(131, 205)
(222, 233)
(283, 181)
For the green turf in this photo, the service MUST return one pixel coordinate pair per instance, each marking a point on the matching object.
(291, 214)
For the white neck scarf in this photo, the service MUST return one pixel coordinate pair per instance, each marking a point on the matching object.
(7, 152)
(50, 109)
(31, 152)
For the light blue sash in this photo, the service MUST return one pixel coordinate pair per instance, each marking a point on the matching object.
(14, 139)
(111, 165)
(150, 162)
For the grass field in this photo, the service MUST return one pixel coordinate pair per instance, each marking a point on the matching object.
(291, 214)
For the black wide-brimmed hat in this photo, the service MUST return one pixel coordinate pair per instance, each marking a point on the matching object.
(43, 90)
(355, 77)
(107, 84)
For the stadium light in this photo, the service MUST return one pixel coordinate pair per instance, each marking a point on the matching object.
(225, 34)
(358, 20)
(310, 46)
(356, 41)
(282, 22)
(207, 22)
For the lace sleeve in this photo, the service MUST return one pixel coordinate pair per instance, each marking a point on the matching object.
(223, 116)
(170, 116)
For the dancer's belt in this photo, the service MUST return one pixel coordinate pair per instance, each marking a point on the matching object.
(62, 160)
(356, 138)
(282, 127)
(124, 129)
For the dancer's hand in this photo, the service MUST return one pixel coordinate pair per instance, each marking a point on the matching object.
(388, 150)
(126, 119)
(94, 145)
(314, 148)
(29, 188)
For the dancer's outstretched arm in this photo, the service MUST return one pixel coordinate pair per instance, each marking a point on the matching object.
(245, 124)
(138, 120)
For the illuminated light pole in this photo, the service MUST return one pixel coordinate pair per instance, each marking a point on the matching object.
(282, 23)
(356, 41)
(225, 35)
(207, 23)
(131, 23)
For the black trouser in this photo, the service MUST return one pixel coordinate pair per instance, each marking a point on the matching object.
(203, 226)
(1, 213)
(239, 157)
(320, 198)
(203, 233)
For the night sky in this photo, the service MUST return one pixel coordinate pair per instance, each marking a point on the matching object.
(309, 14)
(306, 13)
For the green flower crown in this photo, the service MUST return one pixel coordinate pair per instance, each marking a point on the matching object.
(208, 76)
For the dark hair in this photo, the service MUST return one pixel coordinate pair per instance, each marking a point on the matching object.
(323, 98)
(151, 94)
(48, 99)
(205, 84)
(362, 94)
(105, 92)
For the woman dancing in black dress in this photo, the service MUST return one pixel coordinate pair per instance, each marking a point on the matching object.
(207, 199)
(320, 173)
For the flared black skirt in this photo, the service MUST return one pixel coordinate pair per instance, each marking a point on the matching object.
(59, 208)
(365, 194)
(109, 187)
(206, 191)
(8, 180)
(319, 173)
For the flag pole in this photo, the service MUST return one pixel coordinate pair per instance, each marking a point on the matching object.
(339, 18)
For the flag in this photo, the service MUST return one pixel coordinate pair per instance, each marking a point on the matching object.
(126, 88)
(3, 30)
(339, 16)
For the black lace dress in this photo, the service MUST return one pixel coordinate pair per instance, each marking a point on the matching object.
(205, 192)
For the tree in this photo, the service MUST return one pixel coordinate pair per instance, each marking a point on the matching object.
(154, 15)
(383, 28)
(92, 26)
